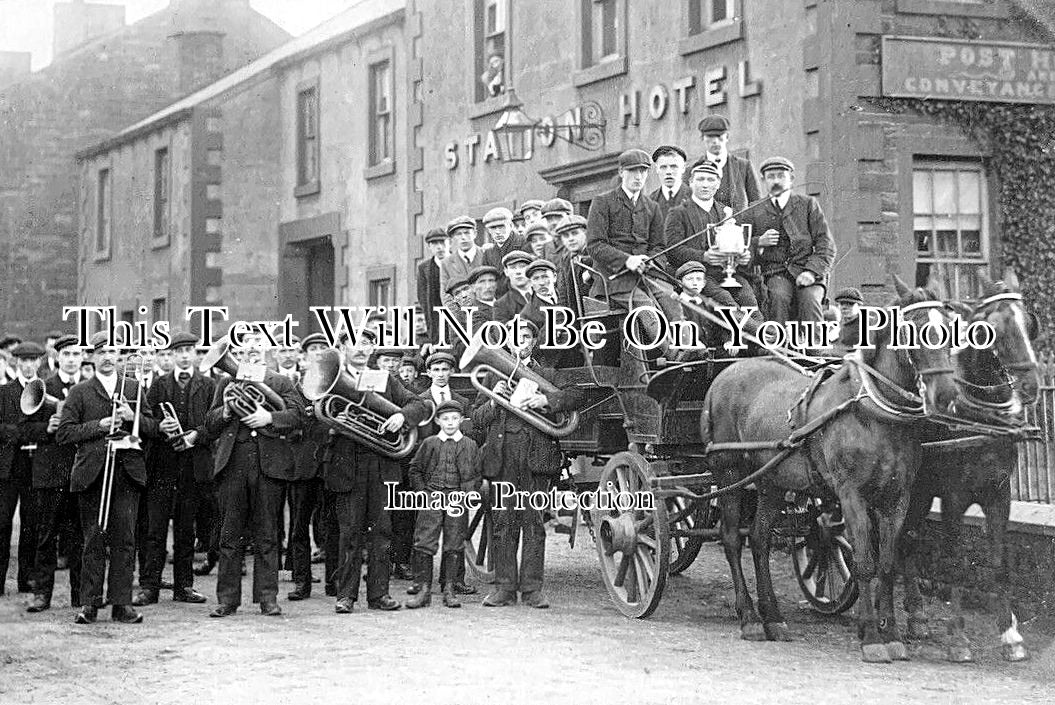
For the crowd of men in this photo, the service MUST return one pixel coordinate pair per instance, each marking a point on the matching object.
(128, 442)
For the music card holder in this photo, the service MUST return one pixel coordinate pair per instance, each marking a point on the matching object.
(252, 371)
(525, 389)
(372, 381)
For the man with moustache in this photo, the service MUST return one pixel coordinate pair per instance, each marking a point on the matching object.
(484, 281)
(739, 185)
(509, 304)
(56, 507)
(669, 163)
(429, 292)
(86, 422)
(179, 463)
(499, 225)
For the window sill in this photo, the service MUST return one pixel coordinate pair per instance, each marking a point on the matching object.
(159, 243)
(950, 7)
(308, 189)
(385, 168)
(600, 72)
(101, 257)
(707, 39)
(488, 106)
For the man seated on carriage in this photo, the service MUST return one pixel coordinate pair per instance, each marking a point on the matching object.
(515, 266)
(572, 234)
(517, 452)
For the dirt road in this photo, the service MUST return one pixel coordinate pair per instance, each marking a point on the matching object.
(580, 651)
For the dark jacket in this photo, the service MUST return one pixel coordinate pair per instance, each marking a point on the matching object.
(431, 429)
(616, 229)
(86, 405)
(425, 470)
(11, 431)
(166, 389)
(688, 219)
(52, 462)
(276, 455)
(683, 195)
(739, 185)
(804, 244)
(494, 254)
(429, 294)
(509, 305)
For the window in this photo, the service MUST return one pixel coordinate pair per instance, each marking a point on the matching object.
(308, 140)
(102, 214)
(159, 310)
(380, 293)
(710, 14)
(491, 68)
(711, 23)
(603, 27)
(950, 225)
(161, 195)
(381, 147)
(603, 42)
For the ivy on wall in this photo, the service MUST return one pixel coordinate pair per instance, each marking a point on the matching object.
(1021, 139)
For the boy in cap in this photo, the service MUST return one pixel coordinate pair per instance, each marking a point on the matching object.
(408, 373)
(428, 278)
(739, 185)
(531, 211)
(538, 239)
(446, 462)
(670, 167)
(515, 266)
(465, 254)
(849, 301)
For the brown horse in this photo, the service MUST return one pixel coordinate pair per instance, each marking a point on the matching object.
(964, 468)
(865, 456)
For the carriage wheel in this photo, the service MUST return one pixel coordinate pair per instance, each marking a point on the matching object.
(479, 542)
(823, 561)
(633, 545)
(684, 549)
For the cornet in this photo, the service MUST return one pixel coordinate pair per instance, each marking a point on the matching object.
(178, 438)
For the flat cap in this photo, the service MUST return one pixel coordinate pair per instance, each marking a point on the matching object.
(688, 268)
(714, 125)
(64, 341)
(456, 283)
(667, 149)
(707, 167)
(28, 349)
(540, 264)
(480, 271)
(776, 163)
(849, 294)
(461, 223)
(389, 352)
(634, 159)
(537, 229)
(498, 215)
(450, 405)
(55, 334)
(556, 205)
(182, 338)
(530, 204)
(313, 339)
(409, 359)
(435, 235)
(517, 256)
(573, 222)
(441, 356)
(99, 340)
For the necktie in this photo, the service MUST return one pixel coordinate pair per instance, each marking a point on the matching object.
(182, 378)
(443, 395)
(776, 202)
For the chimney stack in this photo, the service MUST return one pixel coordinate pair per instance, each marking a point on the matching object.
(77, 23)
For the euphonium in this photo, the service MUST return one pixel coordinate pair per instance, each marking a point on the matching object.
(480, 360)
(358, 415)
(241, 396)
(34, 398)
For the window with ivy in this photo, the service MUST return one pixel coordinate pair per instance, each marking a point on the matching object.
(950, 224)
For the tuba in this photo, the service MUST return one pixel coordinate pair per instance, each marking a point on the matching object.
(358, 415)
(34, 398)
(242, 396)
(480, 360)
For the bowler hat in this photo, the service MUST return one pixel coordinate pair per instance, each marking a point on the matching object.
(634, 159)
(776, 163)
(714, 125)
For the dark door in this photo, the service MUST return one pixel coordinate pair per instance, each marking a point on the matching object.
(307, 279)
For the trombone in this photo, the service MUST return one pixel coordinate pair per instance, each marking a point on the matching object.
(118, 440)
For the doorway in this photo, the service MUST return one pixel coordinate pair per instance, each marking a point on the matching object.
(307, 279)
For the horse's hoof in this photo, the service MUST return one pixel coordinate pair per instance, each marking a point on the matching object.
(917, 629)
(959, 654)
(777, 631)
(1015, 652)
(897, 650)
(875, 653)
(753, 631)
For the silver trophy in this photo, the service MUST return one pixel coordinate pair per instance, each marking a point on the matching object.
(731, 241)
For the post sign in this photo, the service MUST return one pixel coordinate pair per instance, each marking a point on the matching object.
(953, 69)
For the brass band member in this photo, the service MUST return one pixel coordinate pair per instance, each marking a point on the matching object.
(52, 463)
(86, 421)
(252, 458)
(357, 477)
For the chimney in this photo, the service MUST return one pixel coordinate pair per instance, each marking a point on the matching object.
(14, 65)
(77, 23)
(198, 37)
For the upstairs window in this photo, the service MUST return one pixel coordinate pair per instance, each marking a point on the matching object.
(308, 140)
(381, 147)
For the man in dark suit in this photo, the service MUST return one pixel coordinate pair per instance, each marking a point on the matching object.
(357, 476)
(16, 468)
(177, 462)
(464, 257)
(252, 461)
(52, 463)
(670, 167)
(499, 225)
(86, 421)
(514, 265)
(739, 184)
(429, 297)
(624, 236)
(792, 246)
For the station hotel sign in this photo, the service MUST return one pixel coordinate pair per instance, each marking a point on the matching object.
(948, 69)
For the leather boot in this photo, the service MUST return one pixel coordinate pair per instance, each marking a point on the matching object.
(422, 574)
(458, 568)
(449, 573)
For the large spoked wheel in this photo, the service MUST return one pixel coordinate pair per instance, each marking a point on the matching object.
(684, 549)
(479, 545)
(633, 545)
(823, 561)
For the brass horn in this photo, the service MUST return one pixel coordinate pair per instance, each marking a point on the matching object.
(480, 360)
(242, 396)
(357, 415)
(34, 398)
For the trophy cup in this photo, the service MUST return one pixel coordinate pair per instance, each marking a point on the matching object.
(731, 241)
